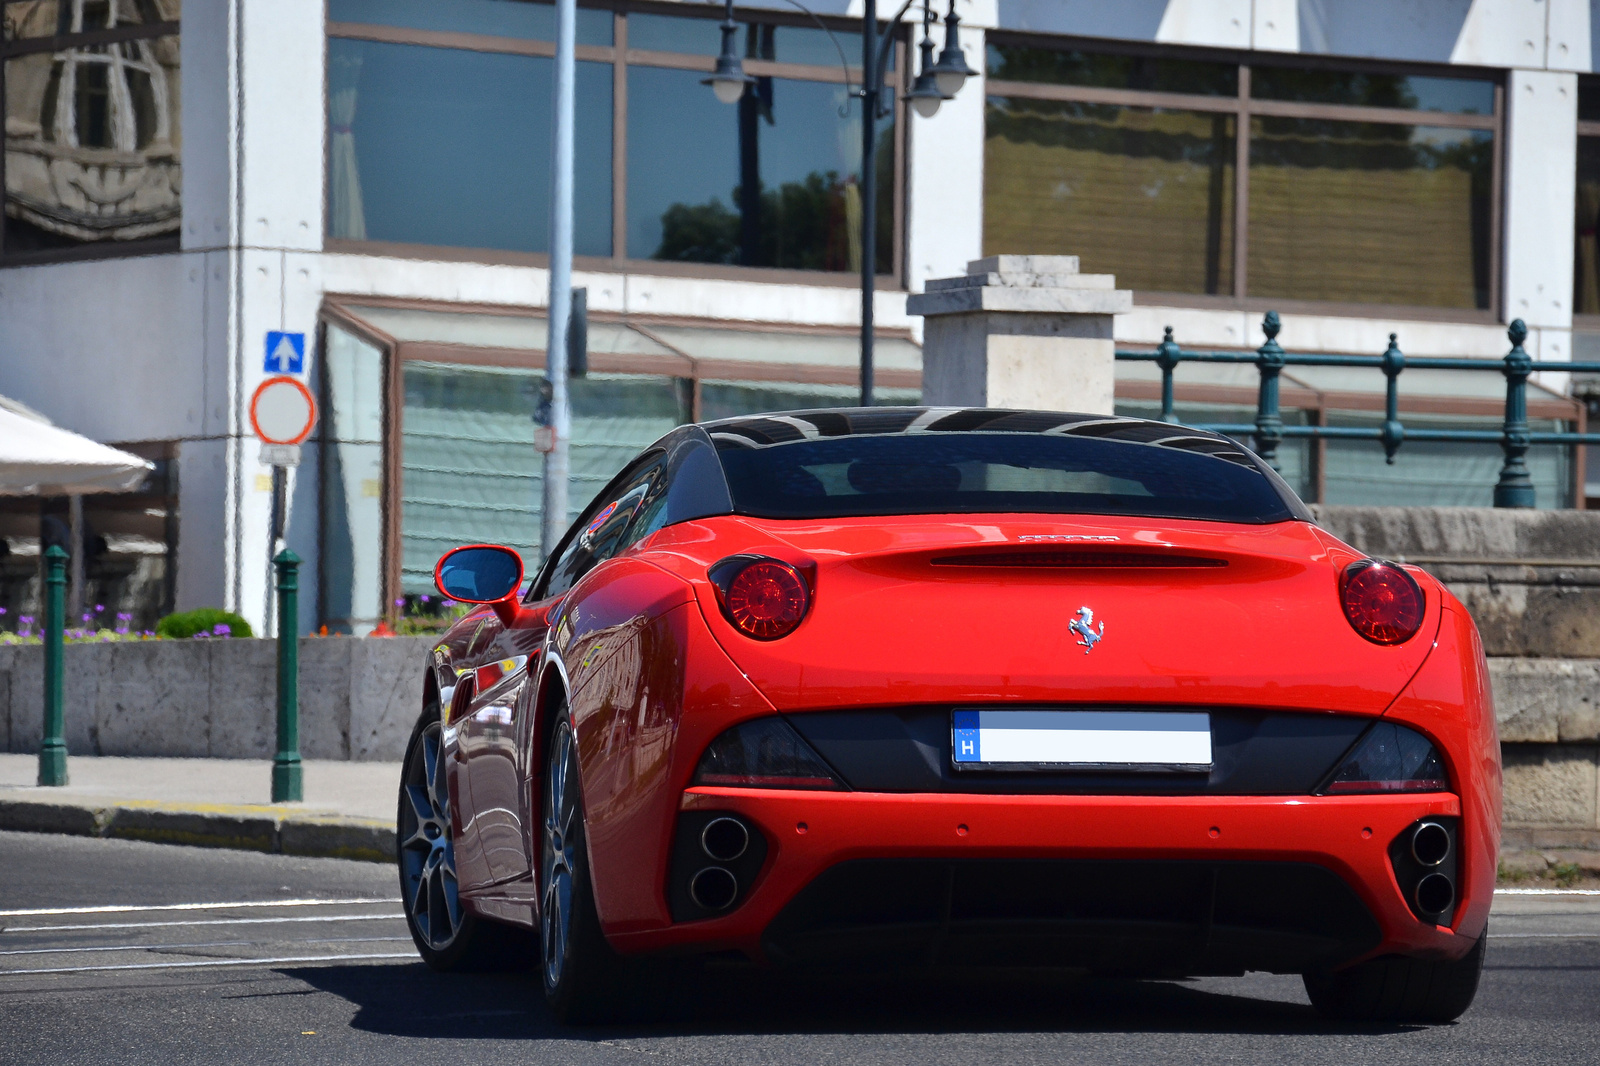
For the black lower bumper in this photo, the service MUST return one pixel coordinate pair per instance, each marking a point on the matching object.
(1167, 918)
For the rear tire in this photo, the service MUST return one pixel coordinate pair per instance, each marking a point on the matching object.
(448, 936)
(584, 979)
(1396, 989)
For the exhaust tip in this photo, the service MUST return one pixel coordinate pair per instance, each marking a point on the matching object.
(1435, 894)
(724, 839)
(714, 888)
(1430, 844)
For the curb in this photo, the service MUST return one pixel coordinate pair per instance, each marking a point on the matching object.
(240, 828)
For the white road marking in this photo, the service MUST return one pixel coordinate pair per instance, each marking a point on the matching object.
(1528, 936)
(1547, 891)
(213, 944)
(210, 963)
(125, 909)
(205, 921)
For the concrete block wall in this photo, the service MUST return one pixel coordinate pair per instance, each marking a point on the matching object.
(218, 698)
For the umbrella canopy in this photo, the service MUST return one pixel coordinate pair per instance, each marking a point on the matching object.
(40, 459)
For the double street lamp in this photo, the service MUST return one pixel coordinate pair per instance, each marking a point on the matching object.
(938, 81)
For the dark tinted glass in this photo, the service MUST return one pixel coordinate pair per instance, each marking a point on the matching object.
(1144, 194)
(476, 575)
(1009, 62)
(499, 18)
(1589, 99)
(770, 181)
(1413, 92)
(1370, 212)
(450, 147)
(1586, 275)
(968, 473)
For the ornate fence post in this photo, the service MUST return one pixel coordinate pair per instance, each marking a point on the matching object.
(286, 775)
(1269, 360)
(1515, 487)
(1393, 433)
(53, 745)
(1167, 356)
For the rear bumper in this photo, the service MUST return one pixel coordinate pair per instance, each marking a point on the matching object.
(1203, 875)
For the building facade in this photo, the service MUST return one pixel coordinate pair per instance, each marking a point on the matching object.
(182, 179)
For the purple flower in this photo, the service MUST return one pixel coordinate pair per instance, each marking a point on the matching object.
(99, 607)
(424, 598)
(222, 629)
(28, 618)
(400, 602)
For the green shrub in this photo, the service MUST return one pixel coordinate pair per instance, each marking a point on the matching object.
(203, 621)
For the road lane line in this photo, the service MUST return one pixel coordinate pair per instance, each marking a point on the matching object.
(123, 909)
(1547, 891)
(1529, 936)
(214, 944)
(204, 921)
(211, 963)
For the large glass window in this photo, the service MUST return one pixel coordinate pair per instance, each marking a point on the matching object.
(470, 473)
(439, 132)
(93, 142)
(450, 147)
(1233, 179)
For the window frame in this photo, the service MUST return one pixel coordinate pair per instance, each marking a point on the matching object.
(22, 46)
(621, 57)
(1243, 108)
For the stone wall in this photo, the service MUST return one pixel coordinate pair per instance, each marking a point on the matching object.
(218, 698)
(1532, 582)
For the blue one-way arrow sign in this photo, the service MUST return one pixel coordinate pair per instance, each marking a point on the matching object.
(286, 353)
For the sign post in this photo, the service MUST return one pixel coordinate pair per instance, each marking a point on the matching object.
(282, 412)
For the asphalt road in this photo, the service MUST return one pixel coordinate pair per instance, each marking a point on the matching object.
(317, 972)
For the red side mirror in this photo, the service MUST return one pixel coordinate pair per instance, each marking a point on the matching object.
(481, 573)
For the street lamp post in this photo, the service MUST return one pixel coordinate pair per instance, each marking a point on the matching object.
(938, 81)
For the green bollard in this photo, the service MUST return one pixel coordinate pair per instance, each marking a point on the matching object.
(53, 746)
(286, 782)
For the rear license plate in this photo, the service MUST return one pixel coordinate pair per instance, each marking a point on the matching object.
(1083, 740)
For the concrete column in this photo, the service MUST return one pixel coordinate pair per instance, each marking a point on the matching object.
(1021, 331)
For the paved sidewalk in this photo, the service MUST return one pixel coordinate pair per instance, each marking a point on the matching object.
(348, 810)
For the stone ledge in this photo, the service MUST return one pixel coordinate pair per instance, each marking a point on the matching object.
(237, 828)
(1546, 701)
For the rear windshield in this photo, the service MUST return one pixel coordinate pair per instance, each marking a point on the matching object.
(976, 472)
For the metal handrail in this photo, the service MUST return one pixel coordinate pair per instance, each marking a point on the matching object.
(1514, 488)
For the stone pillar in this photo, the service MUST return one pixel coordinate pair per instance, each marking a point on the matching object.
(1021, 331)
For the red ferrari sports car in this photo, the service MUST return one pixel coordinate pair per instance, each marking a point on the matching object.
(956, 687)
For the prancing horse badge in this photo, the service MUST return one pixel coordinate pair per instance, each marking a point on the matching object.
(1083, 625)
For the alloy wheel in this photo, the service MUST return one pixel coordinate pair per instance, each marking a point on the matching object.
(427, 855)
(555, 871)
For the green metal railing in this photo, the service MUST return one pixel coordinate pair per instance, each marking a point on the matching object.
(1514, 488)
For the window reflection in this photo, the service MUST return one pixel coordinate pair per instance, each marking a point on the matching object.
(1369, 212)
(451, 147)
(500, 18)
(772, 181)
(1141, 193)
(93, 146)
(1370, 89)
(1586, 273)
(470, 472)
(1009, 62)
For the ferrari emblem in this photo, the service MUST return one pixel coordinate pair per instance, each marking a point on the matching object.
(1083, 625)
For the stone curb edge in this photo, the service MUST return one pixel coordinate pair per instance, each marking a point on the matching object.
(320, 837)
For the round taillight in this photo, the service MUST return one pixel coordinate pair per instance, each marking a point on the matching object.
(1382, 602)
(764, 598)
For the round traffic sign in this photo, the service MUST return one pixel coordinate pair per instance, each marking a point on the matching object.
(282, 411)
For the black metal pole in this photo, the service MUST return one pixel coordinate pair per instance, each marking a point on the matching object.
(869, 188)
(1515, 488)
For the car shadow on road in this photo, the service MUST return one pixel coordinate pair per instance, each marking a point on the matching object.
(413, 1001)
